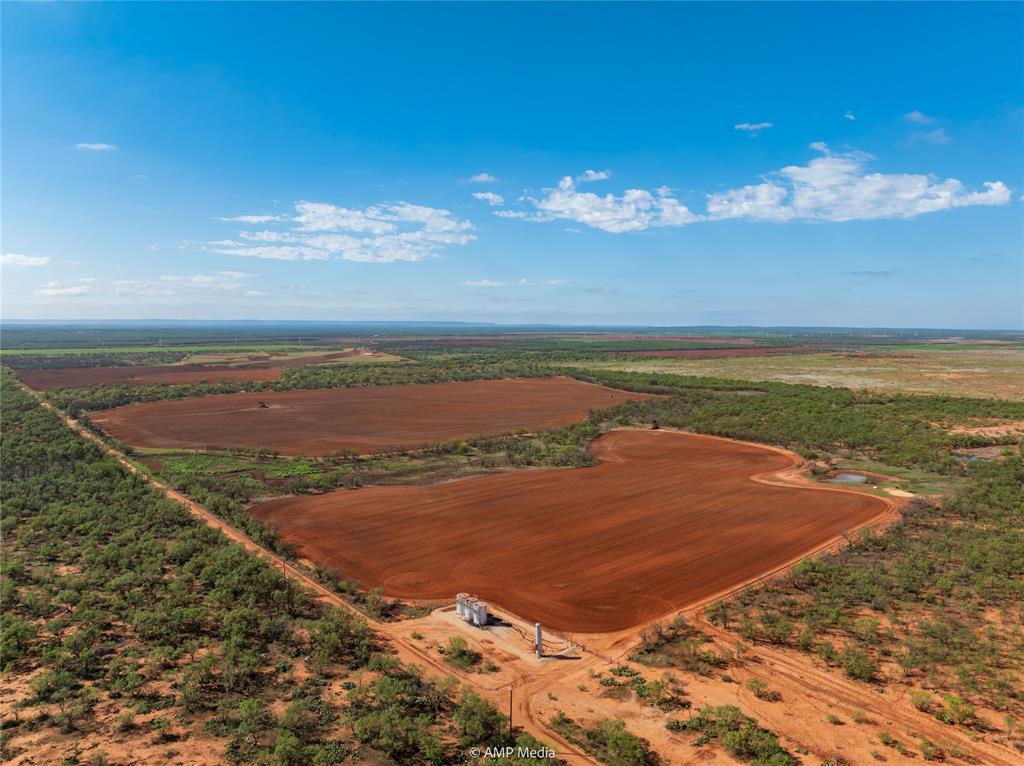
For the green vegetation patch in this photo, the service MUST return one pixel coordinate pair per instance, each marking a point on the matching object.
(678, 645)
(608, 741)
(937, 600)
(739, 734)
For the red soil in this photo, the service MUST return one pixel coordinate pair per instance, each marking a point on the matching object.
(665, 520)
(320, 421)
(80, 377)
(711, 353)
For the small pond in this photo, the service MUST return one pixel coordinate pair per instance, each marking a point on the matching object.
(848, 478)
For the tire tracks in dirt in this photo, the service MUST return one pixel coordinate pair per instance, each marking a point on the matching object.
(817, 683)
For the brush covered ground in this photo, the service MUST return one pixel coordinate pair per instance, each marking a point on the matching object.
(131, 634)
(933, 564)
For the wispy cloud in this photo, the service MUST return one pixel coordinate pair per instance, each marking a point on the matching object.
(490, 198)
(937, 136)
(874, 273)
(754, 127)
(96, 147)
(394, 231)
(72, 289)
(918, 118)
(521, 282)
(849, 115)
(17, 259)
(252, 218)
(221, 283)
(593, 175)
(482, 178)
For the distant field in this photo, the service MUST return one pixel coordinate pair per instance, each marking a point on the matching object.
(320, 421)
(208, 367)
(996, 372)
(665, 520)
(289, 358)
(159, 349)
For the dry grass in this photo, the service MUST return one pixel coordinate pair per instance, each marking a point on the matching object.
(996, 373)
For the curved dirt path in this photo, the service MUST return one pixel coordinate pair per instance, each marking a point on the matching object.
(804, 677)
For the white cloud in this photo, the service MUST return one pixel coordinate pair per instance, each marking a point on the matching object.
(490, 198)
(269, 252)
(266, 236)
(252, 218)
(754, 127)
(482, 178)
(221, 283)
(320, 216)
(522, 282)
(96, 147)
(849, 115)
(634, 210)
(937, 136)
(394, 231)
(594, 175)
(17, 259)
(765, 201)
(837, 187)
(918, 118)
(520, 214)
(71, 289)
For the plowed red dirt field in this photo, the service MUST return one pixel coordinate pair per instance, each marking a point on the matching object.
(665, 520)
(320, 421)
(80, 377)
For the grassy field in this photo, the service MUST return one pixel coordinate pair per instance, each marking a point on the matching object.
(987, 372)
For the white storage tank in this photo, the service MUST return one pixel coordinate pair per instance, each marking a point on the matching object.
(471, 609)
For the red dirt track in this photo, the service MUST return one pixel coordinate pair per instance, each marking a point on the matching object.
(316, 422)
(665, 520)
(80, 377)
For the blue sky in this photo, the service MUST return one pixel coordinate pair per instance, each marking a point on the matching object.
(833, 164)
